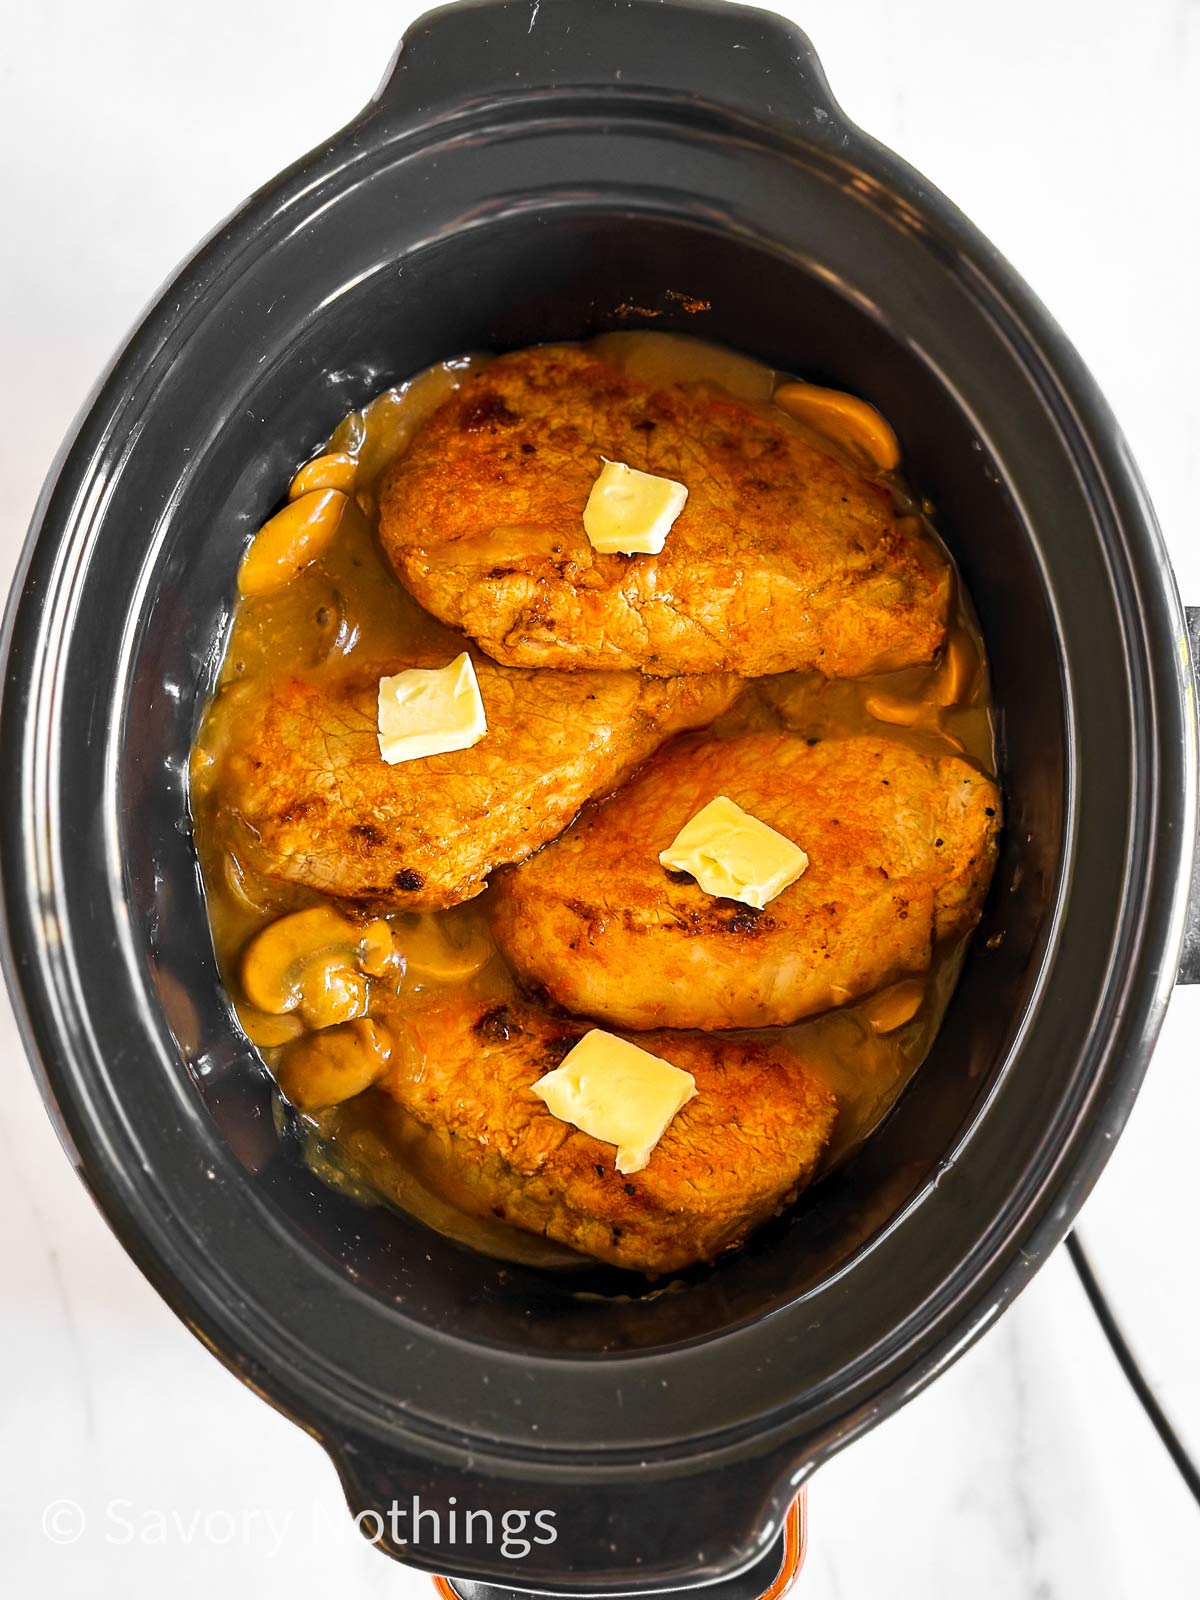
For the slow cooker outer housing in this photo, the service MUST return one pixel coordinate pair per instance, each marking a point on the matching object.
(532, 172)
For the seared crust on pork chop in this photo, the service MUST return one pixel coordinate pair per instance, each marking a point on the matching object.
(737, 1153)
(901, 847)
(307, 798)
(781, 559)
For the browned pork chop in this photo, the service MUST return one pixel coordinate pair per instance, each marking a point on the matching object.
(307, 798)
(901, 847)
(782, 559)
(736, 1154)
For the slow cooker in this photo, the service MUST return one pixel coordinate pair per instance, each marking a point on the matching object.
(534, 170)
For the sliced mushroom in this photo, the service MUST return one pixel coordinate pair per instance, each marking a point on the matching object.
(317, 962)
(846, 421)
(348, 436)
(333, 992)
(897, 710)
(265, 1030)
(250, 893)
(445, 947)
(892, 1008)
(334, 470)
(323, 1069)
(956, 675)
(293, 538)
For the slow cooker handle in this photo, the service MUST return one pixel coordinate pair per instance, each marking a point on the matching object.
(461, 57)
(612, 1537)
(770, 1578)
(1189, 964)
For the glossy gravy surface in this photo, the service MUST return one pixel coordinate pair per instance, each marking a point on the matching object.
(348, 605)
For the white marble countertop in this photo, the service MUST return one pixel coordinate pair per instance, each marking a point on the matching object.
(1071, 135)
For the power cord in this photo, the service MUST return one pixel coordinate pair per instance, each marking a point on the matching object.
(1187, 1468)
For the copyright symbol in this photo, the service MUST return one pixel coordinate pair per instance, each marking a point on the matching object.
(63, 1521)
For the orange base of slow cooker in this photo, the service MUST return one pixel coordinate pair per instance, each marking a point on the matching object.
(795, 1548)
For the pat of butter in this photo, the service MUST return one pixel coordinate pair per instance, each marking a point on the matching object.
(734, 855)
(617, 1092)
(429, 712)
(630, 512)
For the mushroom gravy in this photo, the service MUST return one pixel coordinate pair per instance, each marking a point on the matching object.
(345, 605)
